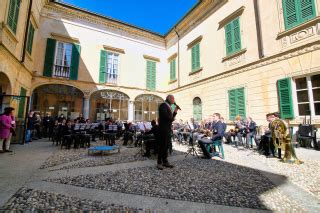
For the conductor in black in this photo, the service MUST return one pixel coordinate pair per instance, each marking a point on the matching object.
(166, 117)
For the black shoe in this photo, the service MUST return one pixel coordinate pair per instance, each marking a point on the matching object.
(168, 165)
(1, 151)
(7, 150)
(160, 167)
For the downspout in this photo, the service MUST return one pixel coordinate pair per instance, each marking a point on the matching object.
(258, 27)
(26, 33)
(178, 55)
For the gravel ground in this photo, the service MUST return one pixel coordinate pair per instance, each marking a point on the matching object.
(29, 200)
(63, 156)
(198, 180)
(305, 175)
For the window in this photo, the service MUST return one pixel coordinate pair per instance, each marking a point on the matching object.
(308, 95)
(233, 39)
(195, 57)
(173, 70)
(30, 38)
(13, 14)
(237, 104)
(62, 62)
(197, 109)
(297, 12)
(112, 68)
(151, 75)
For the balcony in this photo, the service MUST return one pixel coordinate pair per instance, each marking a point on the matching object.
(111, 78)
(61, 71)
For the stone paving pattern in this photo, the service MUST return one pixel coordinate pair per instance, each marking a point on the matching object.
(29, 200)
(197, 180)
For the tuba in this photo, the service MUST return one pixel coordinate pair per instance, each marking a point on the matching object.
(282, 140)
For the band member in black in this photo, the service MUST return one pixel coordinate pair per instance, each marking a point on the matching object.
(218, 132)
(166, 116)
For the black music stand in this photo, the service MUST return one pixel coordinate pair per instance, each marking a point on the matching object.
(192, 150)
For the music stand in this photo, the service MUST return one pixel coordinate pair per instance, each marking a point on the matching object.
(192, 150)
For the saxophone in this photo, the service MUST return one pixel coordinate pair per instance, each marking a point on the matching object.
(281, 139)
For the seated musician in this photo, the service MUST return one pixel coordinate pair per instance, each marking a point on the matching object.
(66, 131)
(239, 130)
(153, 133)
(190, 132)
(266, 139)
(218, 132)
(250, 131)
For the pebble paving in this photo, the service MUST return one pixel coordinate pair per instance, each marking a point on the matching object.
(197, 180)
(29, 200)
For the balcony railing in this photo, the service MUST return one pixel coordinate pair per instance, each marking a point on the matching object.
(61, 71)
(111, 78)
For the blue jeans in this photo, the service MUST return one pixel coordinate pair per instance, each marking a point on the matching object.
(28, 136)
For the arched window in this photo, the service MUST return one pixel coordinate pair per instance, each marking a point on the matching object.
(197, 109)
(146, 107)
(109, 103)
(57, 99)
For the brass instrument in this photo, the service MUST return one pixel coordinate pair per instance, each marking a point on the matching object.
(282, 140)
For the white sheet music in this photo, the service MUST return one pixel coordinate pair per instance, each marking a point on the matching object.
(148, 125)
(141, 127)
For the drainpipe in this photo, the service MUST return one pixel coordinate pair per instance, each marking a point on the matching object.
(26, 33)
(258, 27)
(178, 55)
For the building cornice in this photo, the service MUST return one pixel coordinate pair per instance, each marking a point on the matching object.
(254, 65)
(194, 42)
(113, 49)
(230, 17)
(81, 15)
(64, 38)
(148, 57)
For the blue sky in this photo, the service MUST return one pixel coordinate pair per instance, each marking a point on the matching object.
(157, 15)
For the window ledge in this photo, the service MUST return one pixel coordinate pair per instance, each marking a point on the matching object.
(299, 27)
(196, 71)
(172, 81)
(240, 52)
(9, 31)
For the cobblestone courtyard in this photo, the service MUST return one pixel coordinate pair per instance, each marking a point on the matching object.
(41, 176)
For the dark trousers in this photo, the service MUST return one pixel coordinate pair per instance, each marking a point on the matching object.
(38, 132)
(164, 140)
(204, 143)
(268, 145)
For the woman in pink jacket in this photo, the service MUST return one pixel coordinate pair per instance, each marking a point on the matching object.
(5, 125)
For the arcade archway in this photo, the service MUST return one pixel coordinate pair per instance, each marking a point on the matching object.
(146, 107)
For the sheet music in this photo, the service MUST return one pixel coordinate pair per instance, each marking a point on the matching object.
(148, 125)
(141, 127)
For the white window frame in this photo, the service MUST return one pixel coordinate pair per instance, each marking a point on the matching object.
(63, 56)
(118, 68)
(310, 96)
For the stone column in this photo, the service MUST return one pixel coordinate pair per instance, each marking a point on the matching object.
(86, 107)
(130, 111)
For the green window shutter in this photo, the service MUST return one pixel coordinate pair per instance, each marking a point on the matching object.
(30, 38)
(229, 38)
(103, 67)
(232, 104)
(149, 67)
(285, 98)
(197, 55)
(197, 109)
(241, 102)
(193, 58)
(307, 9)
(290, 12)
(13, 14)
(49, 58)
(173, 69)
(153, 76)
(22, 102)
(236, 33)
(75, 59)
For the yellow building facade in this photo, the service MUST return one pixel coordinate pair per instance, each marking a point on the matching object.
(232, 57)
